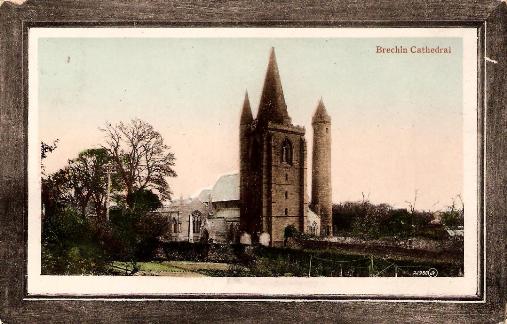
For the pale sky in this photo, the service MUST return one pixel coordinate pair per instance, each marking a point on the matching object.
(396, 119)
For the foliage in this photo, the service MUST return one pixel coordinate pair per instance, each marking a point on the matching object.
(70, 245)
(76, 237)
(290, 231)
(453, 217)
(45, 149)
(82, 185)
(141, 158)
(187, 251)
(368, 220)
(282, 262)
(144, 200)
(135, 233)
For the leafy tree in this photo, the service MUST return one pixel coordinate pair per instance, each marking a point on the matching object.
(135, 231)
(368, 220)
(140, 156)
(145, 200)
(82, 184)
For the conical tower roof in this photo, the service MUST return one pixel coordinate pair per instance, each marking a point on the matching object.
(321, 115)
(246, 112)
(272, 106)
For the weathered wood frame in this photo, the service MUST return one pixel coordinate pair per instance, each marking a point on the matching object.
(489, 17)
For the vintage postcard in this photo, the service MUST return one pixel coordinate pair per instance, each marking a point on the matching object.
(253, 162)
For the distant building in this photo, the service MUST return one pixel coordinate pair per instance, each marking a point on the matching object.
(211, 216)
(214, 215)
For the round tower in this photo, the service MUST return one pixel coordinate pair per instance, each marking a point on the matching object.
(321, 169)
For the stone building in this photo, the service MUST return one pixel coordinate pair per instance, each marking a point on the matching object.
(270, 192)
(212, 216)
(321, 168)
(273, 166)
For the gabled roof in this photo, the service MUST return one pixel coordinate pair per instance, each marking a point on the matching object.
(226, 188)
(204, 195)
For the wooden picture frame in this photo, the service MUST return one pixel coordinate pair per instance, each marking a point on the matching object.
(490, 19)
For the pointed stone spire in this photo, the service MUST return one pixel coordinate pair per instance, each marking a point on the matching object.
(321, 115)
(272, 106)
(246, 113)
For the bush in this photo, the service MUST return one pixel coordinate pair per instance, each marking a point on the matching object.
(369, 221)
(70, 245)
(135, 234)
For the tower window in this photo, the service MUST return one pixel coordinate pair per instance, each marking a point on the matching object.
(286, 195)
(286, 211)
(287, 152)
(286, 177)
(327, 130)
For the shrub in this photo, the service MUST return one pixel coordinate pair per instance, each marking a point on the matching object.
(70, 245)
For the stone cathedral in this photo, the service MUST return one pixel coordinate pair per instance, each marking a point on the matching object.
(273, 166)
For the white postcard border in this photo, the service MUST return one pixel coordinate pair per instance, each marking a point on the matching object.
(466, 286)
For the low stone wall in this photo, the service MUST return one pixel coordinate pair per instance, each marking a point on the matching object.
(413, 244)
(443, 249)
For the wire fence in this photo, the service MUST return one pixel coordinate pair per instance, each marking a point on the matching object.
(375, 268)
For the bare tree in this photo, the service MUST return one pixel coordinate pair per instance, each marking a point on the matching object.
(411, 205)
(141, 158)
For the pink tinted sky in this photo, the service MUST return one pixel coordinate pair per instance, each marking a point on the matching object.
(397, 119)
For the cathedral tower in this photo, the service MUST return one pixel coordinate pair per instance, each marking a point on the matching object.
(321, 168)
(272, 165)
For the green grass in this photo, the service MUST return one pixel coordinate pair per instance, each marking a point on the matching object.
(148, 266)
(154, 268)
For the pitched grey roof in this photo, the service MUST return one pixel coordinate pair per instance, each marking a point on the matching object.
(204, 195)
(226, 188)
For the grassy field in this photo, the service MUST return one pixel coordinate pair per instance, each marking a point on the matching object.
(169, 268)
(282, 262)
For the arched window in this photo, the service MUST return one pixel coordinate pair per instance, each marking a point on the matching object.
(286, 177)
(287, 151)
(286, 211)
(312, 228)
(196, 221)
(286, 195)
